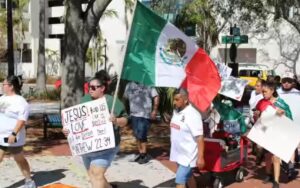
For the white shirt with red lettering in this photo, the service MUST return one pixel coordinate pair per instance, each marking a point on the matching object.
(186, 126)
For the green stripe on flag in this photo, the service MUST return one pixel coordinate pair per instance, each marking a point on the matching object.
(139, 62)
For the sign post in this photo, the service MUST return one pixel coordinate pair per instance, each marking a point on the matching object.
(234, 38)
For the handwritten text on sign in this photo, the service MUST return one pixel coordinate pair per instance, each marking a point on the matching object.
(89, 127)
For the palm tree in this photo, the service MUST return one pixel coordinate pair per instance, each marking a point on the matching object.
(18, 24)
(41, 69)
(199, 14)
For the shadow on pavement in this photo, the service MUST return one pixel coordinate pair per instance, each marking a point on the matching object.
(169, 183)
(35, 142)
(43, 178)
(130, 184)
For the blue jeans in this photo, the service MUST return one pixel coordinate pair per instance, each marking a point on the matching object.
(100, 158)
(183, 174)
(140, 127)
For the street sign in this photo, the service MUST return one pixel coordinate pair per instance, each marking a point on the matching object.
(229, 39)
(235, 31)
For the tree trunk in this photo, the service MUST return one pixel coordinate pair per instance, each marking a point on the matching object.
(79, 28)
(73, 62)
(41, 69)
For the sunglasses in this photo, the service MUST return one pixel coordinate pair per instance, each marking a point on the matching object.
(94, 87)
(287, 81)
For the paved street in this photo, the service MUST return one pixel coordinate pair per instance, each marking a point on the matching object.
(69, 170)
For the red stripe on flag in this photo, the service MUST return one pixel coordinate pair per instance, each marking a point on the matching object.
(202, 80)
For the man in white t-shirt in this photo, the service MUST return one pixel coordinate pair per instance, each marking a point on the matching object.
(291, 96)
(187, 142)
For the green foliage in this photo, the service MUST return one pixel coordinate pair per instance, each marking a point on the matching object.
(200, 13)
(19, 24)
(2, 75)
(165, 102)
(129, 4)
(110, 13)
(52, 95)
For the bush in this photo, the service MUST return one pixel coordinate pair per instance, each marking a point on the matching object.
(52, 95)
(49, 80)
(2, 75)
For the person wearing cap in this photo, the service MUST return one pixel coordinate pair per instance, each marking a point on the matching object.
(291, 95)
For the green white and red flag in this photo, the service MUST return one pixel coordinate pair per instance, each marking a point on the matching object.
(159, 54)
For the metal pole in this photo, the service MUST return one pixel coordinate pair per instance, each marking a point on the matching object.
(225, 53)
(10, 39)
(105, 68)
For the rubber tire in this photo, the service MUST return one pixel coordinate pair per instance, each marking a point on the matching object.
(218, 183)
(240, 174)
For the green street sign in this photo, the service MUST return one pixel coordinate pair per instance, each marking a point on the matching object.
(229, 39)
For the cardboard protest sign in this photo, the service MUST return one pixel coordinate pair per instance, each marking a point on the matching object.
(275, 133)
(89, 126)
(224, 70)
(233, 87)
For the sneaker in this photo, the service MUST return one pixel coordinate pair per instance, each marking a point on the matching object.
(144, 159)
(137, 158)
(292, 174)
(29, 184)
(268, 179)
(275, 185)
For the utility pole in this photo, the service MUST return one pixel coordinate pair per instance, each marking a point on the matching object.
(10, 39)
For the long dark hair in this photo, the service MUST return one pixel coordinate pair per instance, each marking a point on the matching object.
(16, 82)
(271, 85)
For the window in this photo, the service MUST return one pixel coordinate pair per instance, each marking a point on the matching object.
(55, 3)
(250, 73)
(55, 20)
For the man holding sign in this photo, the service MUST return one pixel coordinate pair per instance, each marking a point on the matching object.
(89, 131)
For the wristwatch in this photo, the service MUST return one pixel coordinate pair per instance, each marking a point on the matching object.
(14, 133)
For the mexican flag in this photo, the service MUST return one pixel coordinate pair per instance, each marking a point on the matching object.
(159, 54)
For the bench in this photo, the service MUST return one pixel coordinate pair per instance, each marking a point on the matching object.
(51, 121)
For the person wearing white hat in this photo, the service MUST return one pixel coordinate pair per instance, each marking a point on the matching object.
(290, 95)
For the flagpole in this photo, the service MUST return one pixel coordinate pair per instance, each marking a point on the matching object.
(122, 64)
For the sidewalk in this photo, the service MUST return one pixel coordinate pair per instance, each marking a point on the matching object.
(52, 162)
(69, 170)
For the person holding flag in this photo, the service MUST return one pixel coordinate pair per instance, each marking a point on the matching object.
(271, 99)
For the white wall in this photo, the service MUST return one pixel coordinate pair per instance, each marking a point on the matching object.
(114, 31)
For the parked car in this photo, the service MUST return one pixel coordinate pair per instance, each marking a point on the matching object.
(251, 72)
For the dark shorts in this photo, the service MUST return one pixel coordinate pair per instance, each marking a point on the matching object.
(12, 150)
(140, 127)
